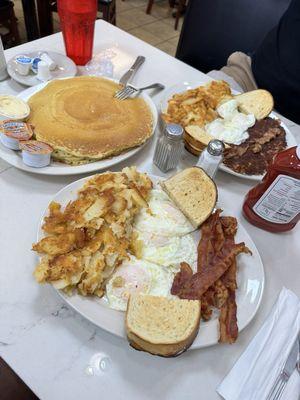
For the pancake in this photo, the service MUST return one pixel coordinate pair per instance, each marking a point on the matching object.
(83, 122)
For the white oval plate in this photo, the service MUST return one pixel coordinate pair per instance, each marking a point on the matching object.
(182, 87)
(65, 68)
(56, 168)
(248, 295)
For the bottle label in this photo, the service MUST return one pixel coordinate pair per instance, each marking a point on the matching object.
(281, 202)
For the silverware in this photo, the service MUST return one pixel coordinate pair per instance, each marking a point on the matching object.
(129, 90)
(298, 361)
(132, 70)
(287, 370)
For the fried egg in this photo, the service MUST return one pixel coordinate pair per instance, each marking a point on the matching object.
(232, 127)
(162, 217)
(137, 276)
(167, 251)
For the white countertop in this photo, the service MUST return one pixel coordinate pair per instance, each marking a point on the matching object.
(51, 347)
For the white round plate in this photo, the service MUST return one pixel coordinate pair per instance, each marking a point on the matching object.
(184, 86)
(56, 168)
(248, 295)
(65, 68)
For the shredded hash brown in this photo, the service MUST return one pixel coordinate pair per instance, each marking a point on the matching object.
(197, 106)
(90, 237)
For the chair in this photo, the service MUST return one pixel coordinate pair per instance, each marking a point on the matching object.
(180, 7)
(8, 20)
(108, 9)
(47, 7)
(11, 386)
(213, 29)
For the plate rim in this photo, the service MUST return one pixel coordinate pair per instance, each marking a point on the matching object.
(19, 79)
(65, 169)
(195, 345)
(290, 138)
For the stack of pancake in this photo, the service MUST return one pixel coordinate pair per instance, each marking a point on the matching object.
(83, 122)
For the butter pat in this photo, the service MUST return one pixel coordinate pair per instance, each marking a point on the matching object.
(13, 108)
(36, 154)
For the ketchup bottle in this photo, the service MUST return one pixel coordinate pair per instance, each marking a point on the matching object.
(274, 204)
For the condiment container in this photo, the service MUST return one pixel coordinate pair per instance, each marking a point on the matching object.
(13, 132)
(34, 65)
(11, 107)
(43, 73)
(211, 157)
(3, 70)
(23, 64)
(169, 148)
(45, 57)
(274, 204)
(36, 154)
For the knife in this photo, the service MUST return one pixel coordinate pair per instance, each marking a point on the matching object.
(286, 372)
(130, 73)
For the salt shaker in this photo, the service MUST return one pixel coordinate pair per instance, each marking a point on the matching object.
(211, 157)
(3, 71)
(169, 148)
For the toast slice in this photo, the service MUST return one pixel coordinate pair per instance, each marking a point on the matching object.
(197, 136)
(194, 193)
(193, 150)
(162, 326)
(258, 102)
(196, 139)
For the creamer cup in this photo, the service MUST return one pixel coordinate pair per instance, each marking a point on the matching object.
(34, 65)
(45, 57)
(35, 153)
(23, 64)
(43, 73)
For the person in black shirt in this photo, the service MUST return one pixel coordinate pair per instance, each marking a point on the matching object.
(274, 66)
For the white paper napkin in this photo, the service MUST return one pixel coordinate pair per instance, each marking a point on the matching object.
(255, 372)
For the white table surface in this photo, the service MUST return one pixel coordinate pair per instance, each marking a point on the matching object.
(51, 347)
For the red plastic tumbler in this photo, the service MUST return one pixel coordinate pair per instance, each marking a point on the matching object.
(77, 19)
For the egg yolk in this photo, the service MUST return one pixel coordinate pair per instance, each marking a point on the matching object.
(131, 280)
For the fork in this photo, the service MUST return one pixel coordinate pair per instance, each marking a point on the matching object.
(129, 90)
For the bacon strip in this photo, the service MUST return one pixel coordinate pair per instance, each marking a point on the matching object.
(182, 277)
(215, 280)
(198, 284)
(228, 320)
(211, 241)
(205, 247)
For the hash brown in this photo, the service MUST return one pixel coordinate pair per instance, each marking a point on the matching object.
(89, 238)
(196, 106)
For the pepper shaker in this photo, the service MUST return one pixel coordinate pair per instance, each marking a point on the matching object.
(169, 148)
(211, 157)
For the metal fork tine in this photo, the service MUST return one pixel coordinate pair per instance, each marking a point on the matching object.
(121, 93)
(127, 93)
(118, 93)
(124, 93)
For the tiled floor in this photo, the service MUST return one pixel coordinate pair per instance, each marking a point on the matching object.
(156, 29)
